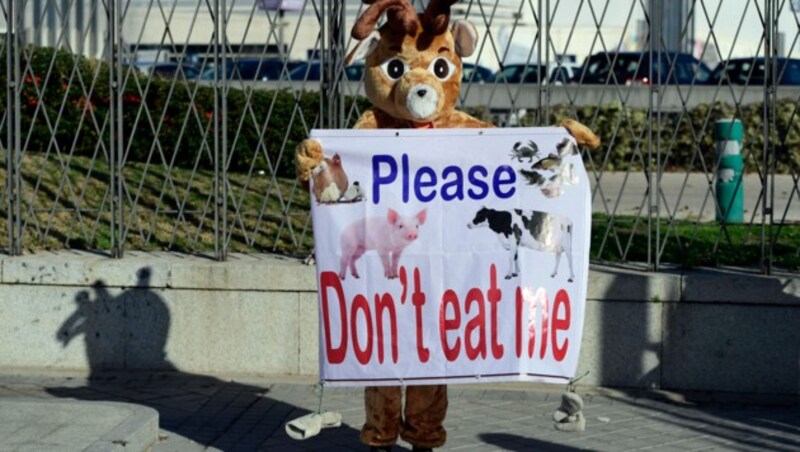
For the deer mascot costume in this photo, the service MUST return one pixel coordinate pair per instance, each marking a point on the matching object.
(412, 78)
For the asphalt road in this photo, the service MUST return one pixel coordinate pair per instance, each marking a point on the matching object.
(689, 196)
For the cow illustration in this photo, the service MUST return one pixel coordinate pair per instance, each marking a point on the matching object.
(530, 229)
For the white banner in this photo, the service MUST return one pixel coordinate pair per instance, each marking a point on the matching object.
(450, 256)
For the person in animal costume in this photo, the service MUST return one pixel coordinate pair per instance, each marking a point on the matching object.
(412, 77)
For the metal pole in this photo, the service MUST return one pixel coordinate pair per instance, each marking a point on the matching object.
(657, 91)
(10, 137)
(323, 35)
(546, 106)
(223, 156)
(220, 131)
(653, 39)
(115, 128)
(14, 126)
(332, 62)
(770, 135)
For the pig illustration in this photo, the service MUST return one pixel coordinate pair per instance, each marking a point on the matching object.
(388, 236)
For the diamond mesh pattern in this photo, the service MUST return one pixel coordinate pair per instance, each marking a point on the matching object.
(173, 125)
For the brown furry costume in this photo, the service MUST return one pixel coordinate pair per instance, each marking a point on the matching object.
(412, 78)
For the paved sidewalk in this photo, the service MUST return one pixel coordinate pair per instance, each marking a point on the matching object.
(208, 413)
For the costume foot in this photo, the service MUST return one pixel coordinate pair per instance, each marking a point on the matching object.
(574, 423)
(571, 404)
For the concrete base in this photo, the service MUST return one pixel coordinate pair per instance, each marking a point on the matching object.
(255, 314)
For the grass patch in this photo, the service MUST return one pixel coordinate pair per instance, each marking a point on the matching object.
(692, 244)
(66, 204)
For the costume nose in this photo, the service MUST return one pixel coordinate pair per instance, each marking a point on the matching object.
(422, 92)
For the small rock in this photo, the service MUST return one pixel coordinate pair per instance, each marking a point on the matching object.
(604, 419)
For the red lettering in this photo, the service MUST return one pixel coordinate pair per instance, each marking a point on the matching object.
(478, 323)
(518, 319)
(329, 280)
(449, 298)
(386, 303)
(560, 324)
(360, 304)
(543, 302)
(418, 299)
(494, 295)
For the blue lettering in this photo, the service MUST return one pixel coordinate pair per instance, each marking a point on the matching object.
(451, 183)
(453, 189)
(498, 181)
(404, 159)
(378, 179)
(478, 183)
(425, 178)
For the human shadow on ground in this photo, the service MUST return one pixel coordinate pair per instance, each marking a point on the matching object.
(125, 335)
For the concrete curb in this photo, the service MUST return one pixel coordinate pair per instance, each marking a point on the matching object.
(704, 329)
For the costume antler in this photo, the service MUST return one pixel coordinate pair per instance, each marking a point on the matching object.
(400, 15)
(437, 16)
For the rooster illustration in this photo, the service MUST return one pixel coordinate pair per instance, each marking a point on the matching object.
(330, 180)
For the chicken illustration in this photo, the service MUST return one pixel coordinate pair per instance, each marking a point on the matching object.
(553, 172)
(330, 180)
(353, 194)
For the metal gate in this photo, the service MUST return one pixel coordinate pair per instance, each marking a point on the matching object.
(170, 124)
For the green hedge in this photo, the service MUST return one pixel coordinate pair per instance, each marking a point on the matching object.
(65, 104)
(69, 106)
(685, 137)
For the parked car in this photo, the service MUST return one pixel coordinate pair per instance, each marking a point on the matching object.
(633, 68)
(253, 69)
(563, 73)
(311, 71)
(750, 71)
(521, 73)
(171, 70)
(475, 73)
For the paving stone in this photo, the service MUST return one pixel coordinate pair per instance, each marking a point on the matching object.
(206, 413)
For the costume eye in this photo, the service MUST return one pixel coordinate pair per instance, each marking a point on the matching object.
(442, 68)
(394, 68)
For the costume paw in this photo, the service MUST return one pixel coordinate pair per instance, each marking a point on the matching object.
(307, 156)
(309, 425)
(582, 134)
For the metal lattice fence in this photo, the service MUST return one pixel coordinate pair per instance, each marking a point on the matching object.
(171, 124)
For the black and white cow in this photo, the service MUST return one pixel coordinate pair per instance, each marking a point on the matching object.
(530, 229)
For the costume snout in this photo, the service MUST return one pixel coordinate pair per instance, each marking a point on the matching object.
(420, 94)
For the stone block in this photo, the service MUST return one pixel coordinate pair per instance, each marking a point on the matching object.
(725, 347)
(613, 284)
(621, 344)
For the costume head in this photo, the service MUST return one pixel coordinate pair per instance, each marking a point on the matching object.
(413, 62)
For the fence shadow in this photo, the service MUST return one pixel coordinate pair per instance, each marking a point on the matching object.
(129, 331)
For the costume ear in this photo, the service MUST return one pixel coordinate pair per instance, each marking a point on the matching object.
(364, 48)
(466, 37)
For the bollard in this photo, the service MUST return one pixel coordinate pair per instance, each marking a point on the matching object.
(730, 187)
